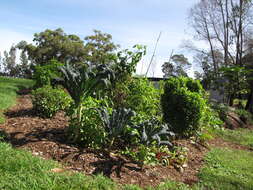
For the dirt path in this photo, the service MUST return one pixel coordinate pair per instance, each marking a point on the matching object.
(46, 138)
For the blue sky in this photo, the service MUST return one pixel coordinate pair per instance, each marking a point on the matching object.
(129, 21)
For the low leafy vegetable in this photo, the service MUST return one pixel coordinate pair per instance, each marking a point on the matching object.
(153, 131)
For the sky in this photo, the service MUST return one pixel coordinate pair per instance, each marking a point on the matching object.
(129, 22)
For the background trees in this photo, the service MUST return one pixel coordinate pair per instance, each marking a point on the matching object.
(176, 66)
(54, 44)
(9, 62)
(225, 25)
(69, 48)
(99, 48)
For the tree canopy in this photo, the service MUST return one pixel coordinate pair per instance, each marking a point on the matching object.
(176, 66)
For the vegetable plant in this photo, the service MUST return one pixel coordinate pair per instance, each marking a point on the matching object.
(82, 82)
(117, 122)
(152, 131)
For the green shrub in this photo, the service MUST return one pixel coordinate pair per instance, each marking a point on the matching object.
(47, 100)
(139, 95)
(44, 74)
(89, 131)
(211, 118)
(183, 105)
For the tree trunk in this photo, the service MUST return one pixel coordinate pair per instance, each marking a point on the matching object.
(231, 99)
(249, 105)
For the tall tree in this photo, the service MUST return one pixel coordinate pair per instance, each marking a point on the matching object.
(248, 61)
(54, 44)
(9, 62)
(176, 66)
(25, 66)
(99, 48)
(223, 24)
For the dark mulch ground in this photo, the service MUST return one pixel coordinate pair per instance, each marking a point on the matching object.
(46, 138)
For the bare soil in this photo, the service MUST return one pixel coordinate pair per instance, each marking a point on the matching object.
(46, 138)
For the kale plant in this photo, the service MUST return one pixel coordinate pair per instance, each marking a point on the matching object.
(117, 122)
(153, 131)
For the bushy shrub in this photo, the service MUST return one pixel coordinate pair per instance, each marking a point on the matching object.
(183, 105)
(211, 118)
(44, 74)
(139, 95)
(47, 101)
(88, 131)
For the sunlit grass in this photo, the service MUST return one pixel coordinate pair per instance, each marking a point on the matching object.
(8, 89)
(239, 136)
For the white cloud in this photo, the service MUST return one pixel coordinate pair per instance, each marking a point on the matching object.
(9, 38)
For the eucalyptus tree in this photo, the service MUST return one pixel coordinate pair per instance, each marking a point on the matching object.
(99, 48)
(176, 66)
(10, 63)
(54, 44)
(223, 24)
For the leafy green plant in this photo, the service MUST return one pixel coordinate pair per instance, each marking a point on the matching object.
(45, 74)
(82, 82)
(183, 105)
(47, 101)
(125, 62)
(211, 118)
(142, 154)
(89, 132)
(153, 132)
(139, 95)
(116, 123)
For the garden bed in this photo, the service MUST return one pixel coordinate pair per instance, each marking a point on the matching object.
(46, 138)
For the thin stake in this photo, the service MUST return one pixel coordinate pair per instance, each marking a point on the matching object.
(153, 53)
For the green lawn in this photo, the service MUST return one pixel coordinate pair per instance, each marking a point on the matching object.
(239, 136)
(8, 89)
(22, 171)
(225, 169)
(228, 170)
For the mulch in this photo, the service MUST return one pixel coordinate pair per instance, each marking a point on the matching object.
(46, 138)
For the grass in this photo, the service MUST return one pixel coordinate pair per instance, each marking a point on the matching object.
(225, 170)
(8, 92)
(228, 170)
(239, 136)
(21, 171)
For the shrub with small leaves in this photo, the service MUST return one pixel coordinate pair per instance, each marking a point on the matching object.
(88, 131)
(183, 105)
(47, 101)
(44, 75)
(138, 94)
